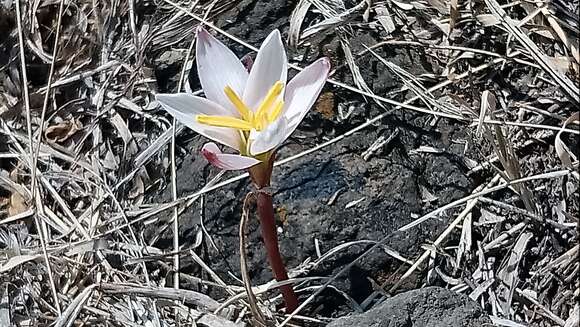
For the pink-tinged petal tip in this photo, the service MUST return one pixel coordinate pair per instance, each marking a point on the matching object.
(325, 62)
(302, 92)
(226, 161)
(201, 32)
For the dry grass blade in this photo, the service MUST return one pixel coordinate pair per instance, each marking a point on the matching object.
(570, 43)
(574, 318)
(549, 313)
(71, 312)
(569, 88)
(333, 18)
(296, 20)
(17, 260)
(39, 207)
(508, 274)
(505, 322)
(466, 212)
(199, 300)
(5, 319)
(385, 19)
(567, 157)
(465, 243)
(488, 103)
(568, 257)
(507, 156)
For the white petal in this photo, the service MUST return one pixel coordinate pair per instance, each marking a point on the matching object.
(218, 67)
(269, 138)
(302, 91)
(184, 107)
(188, 87)
(270, 66)
(226, 161)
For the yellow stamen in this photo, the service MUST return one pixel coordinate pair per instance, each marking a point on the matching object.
(246, 113)
(268, 111)
(260, 120)
(273, 115)
(268, 101)
(224, 121)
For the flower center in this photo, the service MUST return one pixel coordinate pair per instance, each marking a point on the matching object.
(268, 111)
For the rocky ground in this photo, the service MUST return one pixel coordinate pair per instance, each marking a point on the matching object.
(105, 252)
(430, 306)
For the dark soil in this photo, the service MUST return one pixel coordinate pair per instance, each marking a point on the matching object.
(391, 184)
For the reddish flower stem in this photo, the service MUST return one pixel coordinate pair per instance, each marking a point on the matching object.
(268, 226)
(260, 175)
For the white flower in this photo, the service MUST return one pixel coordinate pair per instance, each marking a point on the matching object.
(253, 112)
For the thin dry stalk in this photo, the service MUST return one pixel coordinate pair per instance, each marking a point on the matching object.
(257, 314)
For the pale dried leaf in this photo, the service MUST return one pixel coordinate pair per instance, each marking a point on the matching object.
(403, 5)
(5, 319)
(567, 157)
(62, 131)
(296, 19)
(509, 273)
(384, 18)
(16, 261)
(574, 318)
(488, 103)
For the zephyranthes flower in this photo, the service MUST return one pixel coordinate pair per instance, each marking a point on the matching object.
(253, 112)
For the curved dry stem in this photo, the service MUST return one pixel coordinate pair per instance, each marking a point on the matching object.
(257, 313)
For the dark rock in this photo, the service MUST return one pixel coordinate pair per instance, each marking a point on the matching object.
(167, 68)
(253, 20)
(426, 307)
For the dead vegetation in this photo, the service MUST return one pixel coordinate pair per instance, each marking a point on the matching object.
(83, 145)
